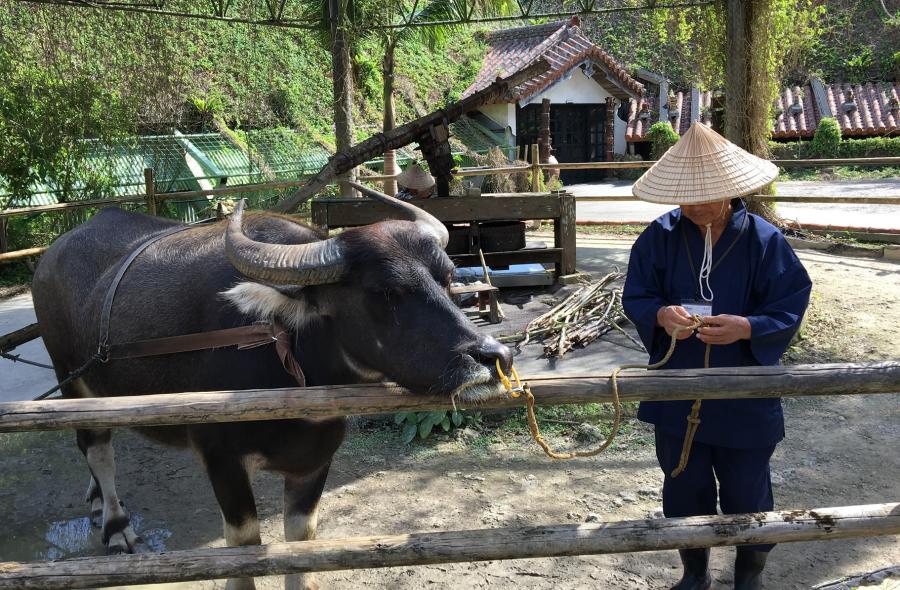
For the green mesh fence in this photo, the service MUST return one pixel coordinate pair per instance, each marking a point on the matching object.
(191, 162)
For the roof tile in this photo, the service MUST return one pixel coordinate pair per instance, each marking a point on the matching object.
(562, 44)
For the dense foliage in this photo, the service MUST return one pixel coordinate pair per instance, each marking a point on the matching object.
(827, 138)
(869, 147)
(842, 40)
(662, 136)
(170, 72)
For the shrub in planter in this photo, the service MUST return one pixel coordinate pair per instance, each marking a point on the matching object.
(827, 140)
(662, 137)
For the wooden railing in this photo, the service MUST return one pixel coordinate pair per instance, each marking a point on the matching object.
(449, 546)
(152, 198)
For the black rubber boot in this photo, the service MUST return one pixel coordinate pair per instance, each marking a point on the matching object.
(748, 568)
(696, 570)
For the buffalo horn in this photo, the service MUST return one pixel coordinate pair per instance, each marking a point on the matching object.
(424, 220)
(315, 263)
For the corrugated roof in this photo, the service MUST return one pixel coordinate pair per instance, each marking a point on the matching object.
(563, 45)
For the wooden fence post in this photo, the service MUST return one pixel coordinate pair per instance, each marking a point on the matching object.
(150, 190)
(535, 169)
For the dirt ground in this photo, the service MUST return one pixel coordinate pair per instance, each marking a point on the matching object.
(838, 451)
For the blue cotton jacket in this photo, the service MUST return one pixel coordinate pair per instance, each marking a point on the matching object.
(760, 278)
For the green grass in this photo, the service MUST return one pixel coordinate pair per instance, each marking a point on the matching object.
(842, 173)
(615, 230)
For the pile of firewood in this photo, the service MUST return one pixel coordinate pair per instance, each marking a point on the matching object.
(582, 317)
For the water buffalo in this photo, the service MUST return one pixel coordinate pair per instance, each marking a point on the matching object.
(366, 305)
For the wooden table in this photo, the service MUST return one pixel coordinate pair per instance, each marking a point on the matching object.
(330, 213)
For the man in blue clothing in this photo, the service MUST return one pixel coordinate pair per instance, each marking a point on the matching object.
(711, 258)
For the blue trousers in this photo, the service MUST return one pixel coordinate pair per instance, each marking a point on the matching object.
(743, 475)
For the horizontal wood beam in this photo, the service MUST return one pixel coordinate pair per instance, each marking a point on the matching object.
(536, 255)
(20, 254)
(842, 522)
(354, 212)
(19, 337)
(823, 199)
(347, 400)
(822, 162)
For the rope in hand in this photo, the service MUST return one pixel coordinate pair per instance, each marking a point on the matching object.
(693, 419)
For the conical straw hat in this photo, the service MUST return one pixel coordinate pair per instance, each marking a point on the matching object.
(415, 178)
(703, 167)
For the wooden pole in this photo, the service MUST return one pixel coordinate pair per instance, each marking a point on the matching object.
(842, 522)
(348, 400)
(26, 253)
(150, 190)
(487, 280)
(535, 169)
(19, 337)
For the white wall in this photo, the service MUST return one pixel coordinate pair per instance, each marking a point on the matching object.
(619, 144)
(503, 114)
(578, 89)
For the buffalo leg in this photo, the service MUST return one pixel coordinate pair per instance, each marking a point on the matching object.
(231, 484)
(95, 499)
(118, 536)
(301, 506)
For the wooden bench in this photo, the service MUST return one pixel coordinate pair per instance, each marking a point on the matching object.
(330, 213)
(487, 299)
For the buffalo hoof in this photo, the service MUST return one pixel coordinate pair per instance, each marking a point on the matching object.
(240, 584)
(97, 517)
(125, 541)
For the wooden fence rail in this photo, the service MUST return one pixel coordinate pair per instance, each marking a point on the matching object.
(345, 400)
(152, 198)
(841, 522)
(462, 172)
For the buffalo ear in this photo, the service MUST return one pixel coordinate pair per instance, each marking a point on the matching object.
(308, 295)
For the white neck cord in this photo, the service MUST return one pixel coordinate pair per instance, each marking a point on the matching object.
(706, 265)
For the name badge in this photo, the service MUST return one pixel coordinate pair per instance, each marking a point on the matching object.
(700, 308)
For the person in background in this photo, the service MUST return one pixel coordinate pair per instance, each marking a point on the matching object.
(712, 259)
(414, 183)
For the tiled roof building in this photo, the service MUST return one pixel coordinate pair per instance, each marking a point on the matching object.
(861, 110)
(564, 46)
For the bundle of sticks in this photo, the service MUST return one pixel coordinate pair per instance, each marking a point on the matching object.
(582, 317)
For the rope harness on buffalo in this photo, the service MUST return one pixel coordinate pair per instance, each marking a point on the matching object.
(242, 337)
(693, 419)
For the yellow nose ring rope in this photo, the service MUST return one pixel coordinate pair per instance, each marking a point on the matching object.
(693, 419)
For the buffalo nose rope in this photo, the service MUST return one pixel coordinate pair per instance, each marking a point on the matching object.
(693, 419)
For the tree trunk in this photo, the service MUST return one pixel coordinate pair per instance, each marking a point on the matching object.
(387, 71)
(4, 239)
(343, 89)
(748, 86)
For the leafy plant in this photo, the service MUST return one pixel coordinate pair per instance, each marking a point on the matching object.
(423, 423)
(662, 136)
(827, 139)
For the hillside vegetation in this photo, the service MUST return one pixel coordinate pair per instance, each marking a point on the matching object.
(170, 72)
(68, 74)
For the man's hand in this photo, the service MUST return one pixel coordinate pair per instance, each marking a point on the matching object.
(724, 329)
(674, 316)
